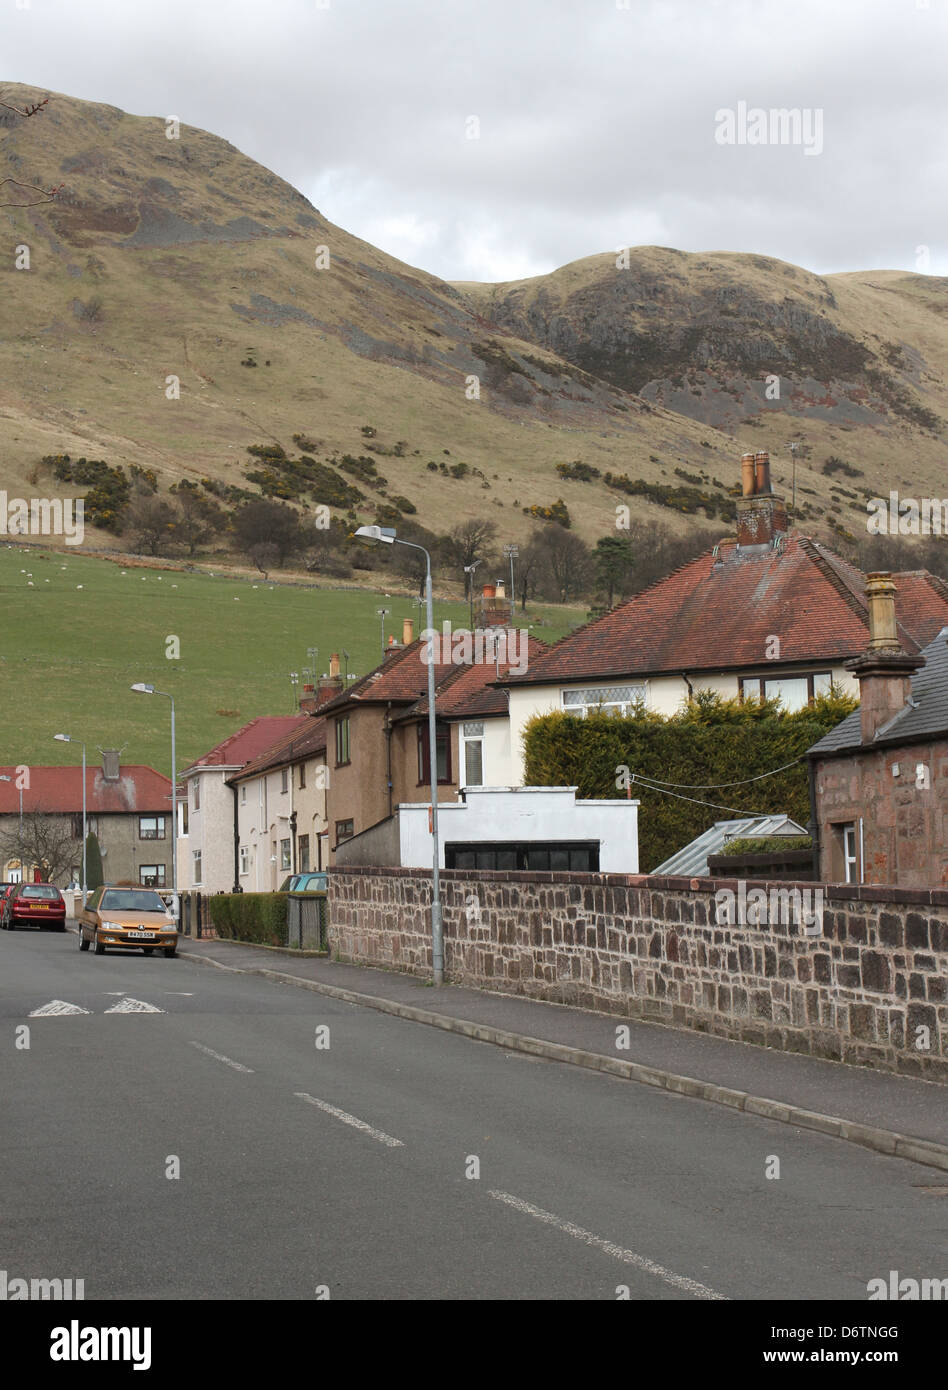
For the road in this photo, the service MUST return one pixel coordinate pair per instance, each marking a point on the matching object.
(344, 1169)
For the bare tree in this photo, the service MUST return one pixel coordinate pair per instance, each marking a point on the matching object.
(46, 194)
(469, 541)
(150, 520)
(531, 565)
(44, 841)
(568, 560)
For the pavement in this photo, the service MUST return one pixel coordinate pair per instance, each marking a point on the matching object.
(889, 1113)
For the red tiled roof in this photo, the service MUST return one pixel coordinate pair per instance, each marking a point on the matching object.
(247, 743)
(716, 613)
(473, 693)
(401, 678)
(58, 790)
(308, 736)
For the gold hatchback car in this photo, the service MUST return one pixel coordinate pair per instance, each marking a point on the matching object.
(134, 917)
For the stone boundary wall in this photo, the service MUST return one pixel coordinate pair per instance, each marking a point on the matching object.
(863, 991)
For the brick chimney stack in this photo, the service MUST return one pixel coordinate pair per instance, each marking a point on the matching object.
(761, 514)
(110, 764)
(326, 688)
(884, 670)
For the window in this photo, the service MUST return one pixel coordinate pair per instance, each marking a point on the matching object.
(151, 875)
(151, 827)
(302, 776)
(285, 779)
(285, 855)
(244, 859)
(243, 794)
(473, 744)
(344, 830)
(794, 692)
(196, 861)
(196, 793)
(443, 737)
(527, 855)
(342, 741)
(846, 852)
(605, 699)
(302, 854)
(183, 813)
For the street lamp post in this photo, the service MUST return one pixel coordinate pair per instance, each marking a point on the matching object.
(386, 536)
(383, 614)
(65, 738)
(141, 688)
(511, 551)
(469, 571)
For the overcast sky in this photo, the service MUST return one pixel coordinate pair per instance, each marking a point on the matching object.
(598, 125)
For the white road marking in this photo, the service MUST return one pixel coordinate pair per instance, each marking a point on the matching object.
(629, 1257)
(183, 993)
(55, 1008)
(219, 1057)
(378, 1134)
(133, 1006)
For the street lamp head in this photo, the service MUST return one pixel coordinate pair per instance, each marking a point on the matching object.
(62, 738)
(141, 688)
(375, 534)
(5, 779)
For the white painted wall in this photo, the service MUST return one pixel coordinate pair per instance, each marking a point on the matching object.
(525, 813)
(498, 763)
(665, 695)
(210, 830)
(263, 820)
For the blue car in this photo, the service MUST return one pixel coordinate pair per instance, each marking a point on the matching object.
(306, 883)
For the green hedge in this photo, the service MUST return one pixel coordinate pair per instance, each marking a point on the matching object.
(711, 740)
(255, 917)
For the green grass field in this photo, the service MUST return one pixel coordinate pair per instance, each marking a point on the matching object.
(68, 654)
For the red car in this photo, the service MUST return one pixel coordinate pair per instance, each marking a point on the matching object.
(33, 903)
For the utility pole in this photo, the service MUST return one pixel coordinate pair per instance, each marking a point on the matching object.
(793, 446)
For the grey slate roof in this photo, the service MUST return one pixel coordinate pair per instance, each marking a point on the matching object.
(692, 860)
(927, 719)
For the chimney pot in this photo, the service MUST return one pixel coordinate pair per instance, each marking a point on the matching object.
(880, 591)
(762, 470)
(408, 631)
(334, 666)
(884, 670)
(747, 474)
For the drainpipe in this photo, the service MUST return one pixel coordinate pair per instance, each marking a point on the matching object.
(236, 841)
(814, 826)
(387, 728)
(691, 689)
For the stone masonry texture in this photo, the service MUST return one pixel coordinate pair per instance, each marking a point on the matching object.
(872, 989)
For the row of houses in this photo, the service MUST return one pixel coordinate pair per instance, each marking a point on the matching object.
(768, 613)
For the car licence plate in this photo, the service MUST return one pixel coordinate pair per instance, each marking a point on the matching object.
(140, 935)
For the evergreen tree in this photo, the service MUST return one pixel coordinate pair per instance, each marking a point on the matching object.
(94, 877)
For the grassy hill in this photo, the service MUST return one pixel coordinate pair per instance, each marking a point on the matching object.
(183, 258)
(862, 358)
(73, 643)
